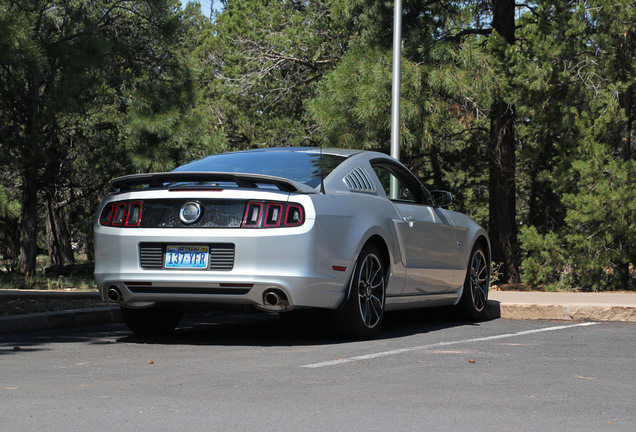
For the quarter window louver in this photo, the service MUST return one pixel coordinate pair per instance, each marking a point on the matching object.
(358, 180)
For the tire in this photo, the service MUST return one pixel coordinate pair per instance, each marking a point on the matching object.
(475, 293)
(362, 315)
(152, 321)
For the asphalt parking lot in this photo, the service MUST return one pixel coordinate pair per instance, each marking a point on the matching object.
(266, 373)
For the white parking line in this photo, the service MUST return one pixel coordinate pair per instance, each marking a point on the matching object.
(441, 344)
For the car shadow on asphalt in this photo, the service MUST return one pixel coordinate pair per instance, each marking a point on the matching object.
(303, 328)
(298, 329)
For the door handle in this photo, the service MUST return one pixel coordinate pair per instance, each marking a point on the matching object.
(409, 220)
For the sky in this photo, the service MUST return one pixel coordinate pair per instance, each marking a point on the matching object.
(205, 5)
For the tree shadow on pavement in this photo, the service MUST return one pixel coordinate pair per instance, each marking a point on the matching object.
(37, 340)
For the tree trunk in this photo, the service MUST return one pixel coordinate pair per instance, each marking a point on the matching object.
(626, 98)
(58, 238)
(502, 201)
(89, 247)
(11, 235)
(502, 191)
(30, 163)
(624, 150)
(29, 221)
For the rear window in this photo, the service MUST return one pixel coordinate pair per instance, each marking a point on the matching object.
(302, 167)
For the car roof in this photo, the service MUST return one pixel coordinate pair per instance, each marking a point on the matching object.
(316, 150)
(349, 162)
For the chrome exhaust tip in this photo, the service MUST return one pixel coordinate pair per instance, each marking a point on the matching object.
(113, 294)
(276, 298)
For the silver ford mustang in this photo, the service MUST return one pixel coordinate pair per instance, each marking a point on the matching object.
(351, 232)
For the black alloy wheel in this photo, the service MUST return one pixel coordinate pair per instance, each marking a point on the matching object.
(475, 294)
(362, 315)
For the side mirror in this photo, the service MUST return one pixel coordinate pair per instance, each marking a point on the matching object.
(441, 198)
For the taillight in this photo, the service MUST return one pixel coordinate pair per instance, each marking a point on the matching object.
(253, 213)
(122, 214)
(133, 219)
(262, 214)
(295, 215)
(107, 215)
(118, 217)
(273, 214)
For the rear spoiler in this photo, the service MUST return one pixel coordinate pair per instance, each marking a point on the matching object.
(172, 179)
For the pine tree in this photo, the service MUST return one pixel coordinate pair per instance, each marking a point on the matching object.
(261, 65)
(578, 146)
(58, 61)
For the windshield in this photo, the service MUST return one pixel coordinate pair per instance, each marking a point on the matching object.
(297, 166)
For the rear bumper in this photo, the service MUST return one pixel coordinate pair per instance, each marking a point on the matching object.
(292, 261)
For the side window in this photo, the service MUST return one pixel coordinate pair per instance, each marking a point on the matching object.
(397, 186)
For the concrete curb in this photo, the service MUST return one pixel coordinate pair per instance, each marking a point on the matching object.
(60, 319)
(502, 304)
(564, 306)
(568, 312)
(56, 319)
(28, 294)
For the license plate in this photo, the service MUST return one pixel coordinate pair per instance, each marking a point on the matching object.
(187, 257)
